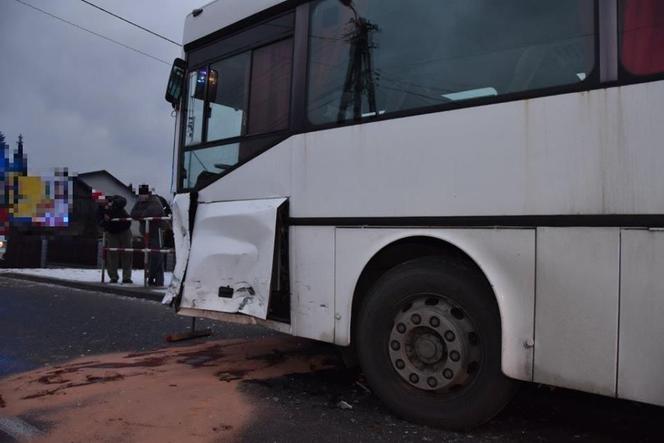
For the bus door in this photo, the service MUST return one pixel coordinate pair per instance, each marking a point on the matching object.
(229, 264)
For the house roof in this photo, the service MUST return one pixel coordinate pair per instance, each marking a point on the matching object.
(85, 175)
(83, 184)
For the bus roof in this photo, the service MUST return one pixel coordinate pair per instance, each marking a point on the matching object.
(220, 14)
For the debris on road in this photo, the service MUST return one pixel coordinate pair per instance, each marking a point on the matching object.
(344, 405)
(364, 388)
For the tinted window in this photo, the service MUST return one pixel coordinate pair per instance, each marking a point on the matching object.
(203, 166)
(259, 35)
(270, 87)
(642, 37)
(397, 55)
(229, 97)
(209, 162)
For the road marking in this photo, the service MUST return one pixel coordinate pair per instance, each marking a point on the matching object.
(18, 429)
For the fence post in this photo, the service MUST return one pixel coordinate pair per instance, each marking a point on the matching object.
(100, 251)
(44, 252)
(103, 257)
(146, 256)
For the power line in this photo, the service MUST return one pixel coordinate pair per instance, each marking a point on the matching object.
(93, 32)
(132, 23)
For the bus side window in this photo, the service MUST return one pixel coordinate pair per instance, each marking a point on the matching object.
(386, 56)
(642, 31)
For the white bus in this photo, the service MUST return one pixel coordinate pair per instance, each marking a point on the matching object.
(468, 193)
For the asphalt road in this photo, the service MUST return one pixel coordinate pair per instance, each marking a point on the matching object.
(42, 324)
(46, 324)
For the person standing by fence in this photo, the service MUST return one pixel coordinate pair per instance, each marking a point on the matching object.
(118, 235)
(149, 205)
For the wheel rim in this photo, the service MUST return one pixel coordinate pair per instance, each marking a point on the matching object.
(433, 345)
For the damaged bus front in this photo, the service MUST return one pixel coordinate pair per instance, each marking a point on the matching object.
(232, 97)
(231, 262)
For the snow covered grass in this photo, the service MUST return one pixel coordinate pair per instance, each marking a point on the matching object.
(86, 275)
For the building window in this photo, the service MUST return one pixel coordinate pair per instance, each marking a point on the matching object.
(380, 57)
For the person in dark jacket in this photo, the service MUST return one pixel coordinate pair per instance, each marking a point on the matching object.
(149, 205)
(118, 235)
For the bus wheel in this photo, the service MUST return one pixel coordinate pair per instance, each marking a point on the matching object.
(428, 338)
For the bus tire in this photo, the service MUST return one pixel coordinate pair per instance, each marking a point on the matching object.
(429, 342)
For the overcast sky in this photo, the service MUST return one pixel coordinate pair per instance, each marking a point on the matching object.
(83, 102)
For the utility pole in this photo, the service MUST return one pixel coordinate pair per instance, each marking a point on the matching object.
(360, 73)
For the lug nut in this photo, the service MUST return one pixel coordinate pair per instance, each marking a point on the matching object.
(401, 328)
(400, 364)
(432, 382)
(395, 345)
(434, 321)
(449, 336)
(415, 318)
(448, 374)
(455, 356)
(414, 378)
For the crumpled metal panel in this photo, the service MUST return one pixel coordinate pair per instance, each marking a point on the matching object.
(180, 208)
(231, 257)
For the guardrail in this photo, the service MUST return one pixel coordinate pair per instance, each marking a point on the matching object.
(146, 250)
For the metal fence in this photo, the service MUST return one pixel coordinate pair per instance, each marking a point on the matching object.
(146, 250)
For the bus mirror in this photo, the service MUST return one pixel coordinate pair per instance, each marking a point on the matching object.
(176, 82)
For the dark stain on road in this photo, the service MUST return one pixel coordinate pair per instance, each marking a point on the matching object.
(55, 378)
(143, 354)
(150, 362)
(2, 402)
(232, 375)
(272, 358)
(222, 428)
(206, 357)
(277, 356)
(103, 379)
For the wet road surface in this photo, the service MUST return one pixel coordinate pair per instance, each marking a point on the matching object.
(245, 384)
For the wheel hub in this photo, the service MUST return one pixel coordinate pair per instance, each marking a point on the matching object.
(429, 348)
(433, 345)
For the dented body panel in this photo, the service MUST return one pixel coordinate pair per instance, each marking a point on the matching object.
(229, 267)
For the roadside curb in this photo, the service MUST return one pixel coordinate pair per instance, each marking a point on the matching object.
(144, 294)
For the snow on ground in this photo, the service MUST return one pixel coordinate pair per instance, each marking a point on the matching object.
(86, 275)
